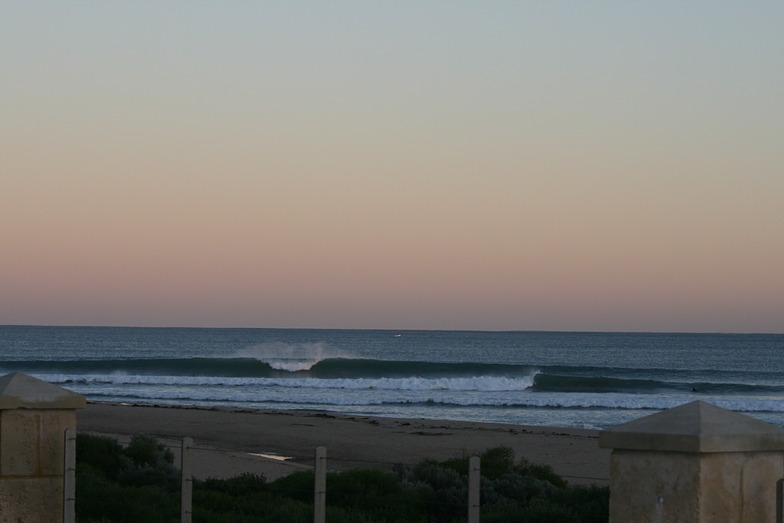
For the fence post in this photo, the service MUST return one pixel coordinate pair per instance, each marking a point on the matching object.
(473, 489)
(186, 499)
(320, 486)
(69, 478)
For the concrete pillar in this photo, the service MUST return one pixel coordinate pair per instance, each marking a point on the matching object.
(474, 486)
(694, 463)
(34, 416)
(320, 486)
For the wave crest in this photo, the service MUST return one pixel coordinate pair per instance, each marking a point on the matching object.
(478, 383)
(290, 357)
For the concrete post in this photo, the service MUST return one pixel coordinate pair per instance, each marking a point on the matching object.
(69, 479)
(34, 416)
(320, 486)
(186, 483)
(474, 481)
(694, 463)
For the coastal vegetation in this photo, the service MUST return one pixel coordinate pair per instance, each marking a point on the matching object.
(139, 482)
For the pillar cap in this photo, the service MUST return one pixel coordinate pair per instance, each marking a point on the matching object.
(695, 427)
(20, 391)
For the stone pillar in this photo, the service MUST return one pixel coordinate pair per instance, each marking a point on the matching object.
(694, 463)
(34, 416)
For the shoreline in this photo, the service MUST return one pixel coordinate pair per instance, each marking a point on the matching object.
(230, 441)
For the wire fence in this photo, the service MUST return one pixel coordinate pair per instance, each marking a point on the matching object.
(470, 505)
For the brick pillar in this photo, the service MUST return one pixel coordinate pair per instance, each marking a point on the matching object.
(694, 463)
(34, 415)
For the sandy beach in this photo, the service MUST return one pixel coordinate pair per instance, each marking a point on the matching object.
(231, 441)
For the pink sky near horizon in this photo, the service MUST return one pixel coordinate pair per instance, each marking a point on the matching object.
(466, 165)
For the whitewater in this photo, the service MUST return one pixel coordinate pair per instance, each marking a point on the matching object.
(585, 380)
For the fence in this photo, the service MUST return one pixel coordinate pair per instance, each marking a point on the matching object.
(319, 485)
(652, 460)
(186, 448)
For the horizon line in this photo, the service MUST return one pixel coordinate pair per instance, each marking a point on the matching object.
(543, 331)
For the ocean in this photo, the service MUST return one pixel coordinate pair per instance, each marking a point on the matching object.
(567, 379)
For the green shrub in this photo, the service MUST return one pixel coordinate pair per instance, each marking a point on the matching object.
(361, 487)
(298, 485)
(140, 483)
(543, 472)
(146, 451)
(241, 485)
(101, 453)
(125, 504)
(497, 461)
(590, 502)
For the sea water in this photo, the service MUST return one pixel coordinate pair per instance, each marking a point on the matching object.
(568, 379)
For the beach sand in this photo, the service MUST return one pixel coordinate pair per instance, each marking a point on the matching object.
(228, 441)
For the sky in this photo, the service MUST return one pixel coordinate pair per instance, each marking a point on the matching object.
(479, 165)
